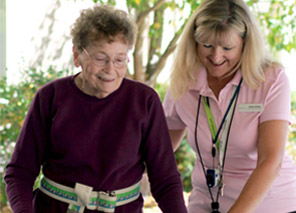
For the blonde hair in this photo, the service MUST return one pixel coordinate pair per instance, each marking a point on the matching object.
(103, 22)
(218, 18)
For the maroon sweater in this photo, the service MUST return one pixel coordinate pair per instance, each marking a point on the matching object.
(104, 143)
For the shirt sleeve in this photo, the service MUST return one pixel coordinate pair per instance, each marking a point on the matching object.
(24, 166)
(164, 177)
(171, 113)
(277, 105)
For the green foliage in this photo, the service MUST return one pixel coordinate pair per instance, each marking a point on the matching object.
(277, 18)
(185, 158)
(279, 25)
(291, 145)
(15, 99)
(161, 89)
(155, 18)
(14, 104)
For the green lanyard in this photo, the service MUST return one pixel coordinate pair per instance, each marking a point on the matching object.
(211, 121)
(226, 123)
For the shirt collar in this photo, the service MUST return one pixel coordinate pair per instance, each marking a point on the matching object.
(202, 84)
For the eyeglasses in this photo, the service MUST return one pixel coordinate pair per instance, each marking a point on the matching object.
(102, 61)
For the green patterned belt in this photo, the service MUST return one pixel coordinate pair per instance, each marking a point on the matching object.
(82, 196)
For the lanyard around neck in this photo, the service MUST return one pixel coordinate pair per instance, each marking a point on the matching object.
(215, 134)
(215, 203)
(211, 122)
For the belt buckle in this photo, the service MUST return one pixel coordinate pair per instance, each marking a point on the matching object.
(111, 193)
(106, 201)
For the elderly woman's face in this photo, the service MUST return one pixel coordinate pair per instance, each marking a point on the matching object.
(103, 66)
(220, 56)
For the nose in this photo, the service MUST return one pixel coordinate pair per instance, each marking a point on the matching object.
(109, 66)
(217, 54)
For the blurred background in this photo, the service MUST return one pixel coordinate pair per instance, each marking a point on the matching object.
(35, 47)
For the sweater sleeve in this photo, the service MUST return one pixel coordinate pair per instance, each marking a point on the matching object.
(24, 166)
(164, 177)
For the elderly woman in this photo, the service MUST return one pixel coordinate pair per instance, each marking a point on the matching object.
(234, 103)
(94, 133)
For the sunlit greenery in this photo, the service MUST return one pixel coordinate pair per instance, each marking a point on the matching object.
(277, 22)
(154, 17)
(14, 104)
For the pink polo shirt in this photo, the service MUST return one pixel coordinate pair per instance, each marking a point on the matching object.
(271, 101)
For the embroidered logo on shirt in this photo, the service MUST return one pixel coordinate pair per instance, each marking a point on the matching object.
(250, 107)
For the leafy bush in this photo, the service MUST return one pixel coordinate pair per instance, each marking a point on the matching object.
(185, 158)
(14, 104)
(291, 145)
